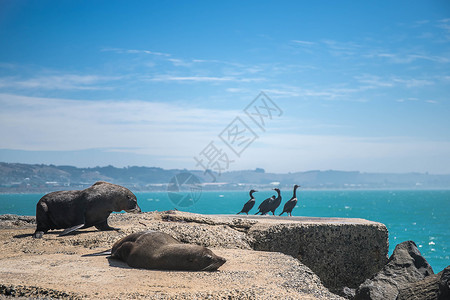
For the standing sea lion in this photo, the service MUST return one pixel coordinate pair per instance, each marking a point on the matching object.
(158, 250)
(71, 210)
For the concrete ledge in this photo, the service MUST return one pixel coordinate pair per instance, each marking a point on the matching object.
(341, 251)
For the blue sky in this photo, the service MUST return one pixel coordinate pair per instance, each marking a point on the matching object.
(361, 85)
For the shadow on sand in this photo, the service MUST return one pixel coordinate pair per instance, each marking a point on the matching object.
(54, 233)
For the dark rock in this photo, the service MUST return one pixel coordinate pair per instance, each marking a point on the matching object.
(406, 265)
(444, 284)
(431, 288)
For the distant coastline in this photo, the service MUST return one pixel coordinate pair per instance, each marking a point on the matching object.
(39, 178)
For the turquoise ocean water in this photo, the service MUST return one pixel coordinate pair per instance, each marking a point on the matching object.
(421, 216)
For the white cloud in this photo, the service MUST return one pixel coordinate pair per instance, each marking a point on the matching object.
(325, 93)
(374, 81)
(32, 123)
(413, 82)
(402, 58)
(237, 90)
(202, 78)
(338, 48)
(407, 99)
(179, 62)
(134, 51)
(303, 43)
(59, 82)
(171, 134)
(282, 92)
(191, 78)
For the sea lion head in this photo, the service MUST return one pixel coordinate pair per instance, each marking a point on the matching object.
(132, 206)
(122, 198)
(190, 257)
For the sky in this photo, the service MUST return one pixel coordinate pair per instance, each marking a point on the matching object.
(346, 85)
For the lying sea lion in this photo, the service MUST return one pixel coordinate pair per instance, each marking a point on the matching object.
(158, 250)
(72, 210)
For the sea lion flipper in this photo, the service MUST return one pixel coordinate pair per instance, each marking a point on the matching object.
(38, 234)
(106, 252)
(105, 227)
(71, 229)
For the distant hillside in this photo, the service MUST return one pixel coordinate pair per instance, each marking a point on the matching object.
(15, 177)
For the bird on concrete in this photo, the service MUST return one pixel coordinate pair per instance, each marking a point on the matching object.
(289, 206)
(275, 203)
(249, 204)
(264, 207)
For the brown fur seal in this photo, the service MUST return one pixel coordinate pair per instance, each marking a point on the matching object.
(71, 210)
(158, 250)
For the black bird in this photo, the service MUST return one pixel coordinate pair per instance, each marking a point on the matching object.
(275, 203)
(249, 204)
(264, 207)
(289, 206)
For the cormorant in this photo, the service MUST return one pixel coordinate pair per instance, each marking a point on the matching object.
(249, 204)
(264, 207)
(289, 206)
(274, 204)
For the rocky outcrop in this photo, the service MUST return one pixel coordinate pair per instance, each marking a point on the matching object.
(433, 287)
(14, 221)
(341, 252)
(406, 265)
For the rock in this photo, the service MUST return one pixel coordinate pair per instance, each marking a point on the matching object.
(444, 284)
(340, 251)
(431, 288)
(50, 272)
(12, 221)
(406, 265)
(348, 293)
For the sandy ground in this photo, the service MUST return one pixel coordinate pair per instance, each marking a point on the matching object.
(53, 267)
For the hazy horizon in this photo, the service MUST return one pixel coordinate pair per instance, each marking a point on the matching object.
(201, 170)
(347, 86)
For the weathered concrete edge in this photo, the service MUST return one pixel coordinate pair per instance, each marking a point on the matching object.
(341, 251)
